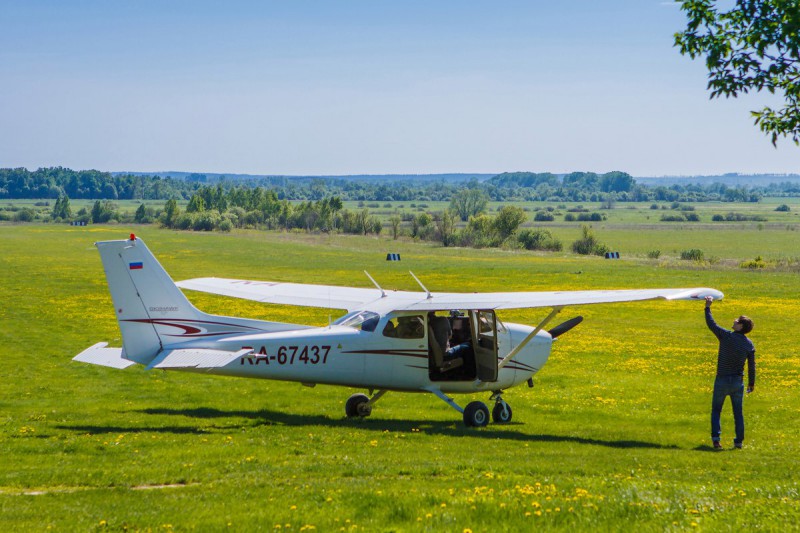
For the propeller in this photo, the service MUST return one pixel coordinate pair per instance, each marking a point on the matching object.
(565, 326)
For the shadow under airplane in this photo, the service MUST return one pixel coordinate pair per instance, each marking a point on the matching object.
(266, 417)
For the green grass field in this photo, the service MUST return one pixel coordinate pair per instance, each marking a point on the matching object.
(615, 435)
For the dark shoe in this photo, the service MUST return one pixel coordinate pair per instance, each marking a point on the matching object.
(737, 445)
(718, 446)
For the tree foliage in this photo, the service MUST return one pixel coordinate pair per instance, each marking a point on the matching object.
(171, 213)
(508, 219)
(62, 209)
(103, 212)
(88, 184)
(588, 244)
(268, 194)
(468, 203)
(446, 226)
(752, 46)
(539, 239)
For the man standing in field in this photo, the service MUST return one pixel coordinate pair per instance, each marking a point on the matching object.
(734, 349)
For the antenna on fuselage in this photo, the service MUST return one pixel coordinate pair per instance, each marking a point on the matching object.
(383, 293)
(421, 285)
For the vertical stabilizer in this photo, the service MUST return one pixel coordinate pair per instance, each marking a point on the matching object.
(152, 312)
(145, 298)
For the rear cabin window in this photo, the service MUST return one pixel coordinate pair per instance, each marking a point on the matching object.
(405, 327)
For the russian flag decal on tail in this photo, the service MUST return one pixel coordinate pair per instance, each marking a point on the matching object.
(136, 266)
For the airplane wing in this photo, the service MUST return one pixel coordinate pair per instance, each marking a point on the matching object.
(525, 300)
(352, 298)
(302, 294)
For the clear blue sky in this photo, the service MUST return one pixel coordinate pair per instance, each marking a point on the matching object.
(357, 86)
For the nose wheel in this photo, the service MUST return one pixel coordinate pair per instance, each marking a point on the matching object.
(501, 413)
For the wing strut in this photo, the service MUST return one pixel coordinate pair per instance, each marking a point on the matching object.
(421, 285)
(513, 353)
(383, 293)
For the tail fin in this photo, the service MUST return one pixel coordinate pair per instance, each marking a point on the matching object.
(153, 313)
(143, 294)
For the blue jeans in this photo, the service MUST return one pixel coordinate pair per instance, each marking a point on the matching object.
(727, 386)
(459, 350)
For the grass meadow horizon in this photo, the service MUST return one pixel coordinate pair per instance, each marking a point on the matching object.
(614, 435)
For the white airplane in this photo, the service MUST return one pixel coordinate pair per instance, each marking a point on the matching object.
(387, 341)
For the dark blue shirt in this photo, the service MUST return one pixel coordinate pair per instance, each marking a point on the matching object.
(734, 350)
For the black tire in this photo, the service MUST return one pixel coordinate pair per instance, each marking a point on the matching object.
(500, 415)
(476, 415)
(357, 405)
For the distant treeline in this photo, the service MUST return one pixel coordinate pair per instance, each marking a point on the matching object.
(52, 183)
(20, 183)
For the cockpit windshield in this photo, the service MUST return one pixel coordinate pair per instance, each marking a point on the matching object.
(364, 320)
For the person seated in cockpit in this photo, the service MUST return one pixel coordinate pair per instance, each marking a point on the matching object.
(389, 330)
(409, 327)
(441, 330)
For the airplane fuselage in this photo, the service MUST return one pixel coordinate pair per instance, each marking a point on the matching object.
(342, 355)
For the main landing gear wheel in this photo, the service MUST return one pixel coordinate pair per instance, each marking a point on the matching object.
(357, 405)
(501, 414)
(476, 414)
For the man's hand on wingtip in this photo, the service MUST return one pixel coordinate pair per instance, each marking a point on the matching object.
(709, 299)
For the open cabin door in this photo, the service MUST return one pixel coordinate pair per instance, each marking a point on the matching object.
(484, 342)
(473, 346)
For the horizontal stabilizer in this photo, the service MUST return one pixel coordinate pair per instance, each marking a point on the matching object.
(100, 355)
(196, 358)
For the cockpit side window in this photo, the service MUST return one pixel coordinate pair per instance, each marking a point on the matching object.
(405, 327)
(366, 320)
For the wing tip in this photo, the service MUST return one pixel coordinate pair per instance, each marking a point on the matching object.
(699, 293)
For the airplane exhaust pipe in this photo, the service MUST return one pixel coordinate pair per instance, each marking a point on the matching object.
(565, 326)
